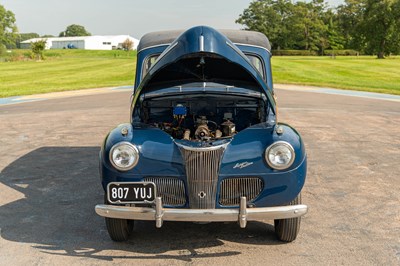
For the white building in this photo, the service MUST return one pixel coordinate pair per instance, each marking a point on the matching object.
(84, 42)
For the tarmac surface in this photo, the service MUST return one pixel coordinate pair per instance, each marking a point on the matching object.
(49, 185)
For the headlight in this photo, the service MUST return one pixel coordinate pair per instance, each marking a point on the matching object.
(124, 156)
(280, 155)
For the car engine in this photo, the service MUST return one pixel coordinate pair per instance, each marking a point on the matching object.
(202, 118)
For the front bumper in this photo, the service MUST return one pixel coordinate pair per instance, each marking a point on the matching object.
(160, 214)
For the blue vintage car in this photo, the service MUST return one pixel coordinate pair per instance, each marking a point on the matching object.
(203, 143)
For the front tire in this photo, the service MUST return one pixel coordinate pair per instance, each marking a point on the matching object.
(118, 229)
(288, 229)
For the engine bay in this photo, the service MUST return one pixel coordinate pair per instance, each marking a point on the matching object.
(202, 118)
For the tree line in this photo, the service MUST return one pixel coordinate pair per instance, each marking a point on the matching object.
(367, 26)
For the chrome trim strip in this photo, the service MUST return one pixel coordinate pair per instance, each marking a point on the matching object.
(241, 215)
(212, 148)
(252, 45)
(235, 43)
(236, 49)
(201, 43)
(154, 46)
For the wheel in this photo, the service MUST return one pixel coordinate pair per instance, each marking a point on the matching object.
(118, 229)
(288, 229)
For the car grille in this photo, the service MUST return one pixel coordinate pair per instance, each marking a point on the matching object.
(202, 167)
(170, 189)
(233, 188)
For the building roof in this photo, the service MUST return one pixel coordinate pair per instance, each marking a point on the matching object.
(236, 36)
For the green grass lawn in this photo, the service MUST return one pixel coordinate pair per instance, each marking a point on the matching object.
(364, 73)
(82, 69)
(66, 70)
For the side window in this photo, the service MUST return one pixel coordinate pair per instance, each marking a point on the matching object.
(148, 63)
(257, 63)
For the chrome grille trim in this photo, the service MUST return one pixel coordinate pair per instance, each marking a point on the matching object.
(170, 189)
(202, 168)
(233, 188)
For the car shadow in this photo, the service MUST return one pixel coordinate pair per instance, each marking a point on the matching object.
(59, 187)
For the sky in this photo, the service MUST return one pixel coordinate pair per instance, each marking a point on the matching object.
(131, 17)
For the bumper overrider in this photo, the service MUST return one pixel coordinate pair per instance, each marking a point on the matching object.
(241, 214)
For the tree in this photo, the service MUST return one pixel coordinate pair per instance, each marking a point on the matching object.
(8, 28)
(288, 25)
(335, 39)
(3, 50)
(350, 16)
(127, 45)
(74, 30)
(38, 48)
(371, 26)
(308, 20)
(380, 27)
(271, 17)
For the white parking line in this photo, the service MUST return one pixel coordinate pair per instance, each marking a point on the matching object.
(63, 94)
(362, 94)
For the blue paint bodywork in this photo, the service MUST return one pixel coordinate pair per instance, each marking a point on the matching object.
(159, 154)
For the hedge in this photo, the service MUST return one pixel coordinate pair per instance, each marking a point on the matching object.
(313, 53)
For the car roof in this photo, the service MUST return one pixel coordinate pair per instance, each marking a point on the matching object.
(236, 36)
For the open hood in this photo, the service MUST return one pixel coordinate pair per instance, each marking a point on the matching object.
(202, 54)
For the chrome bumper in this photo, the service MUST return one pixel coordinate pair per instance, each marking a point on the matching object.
(160, 214)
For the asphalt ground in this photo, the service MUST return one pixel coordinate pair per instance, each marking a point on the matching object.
(49, 185)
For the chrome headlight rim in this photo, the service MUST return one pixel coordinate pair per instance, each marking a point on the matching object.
(277, 167)
(115, 146)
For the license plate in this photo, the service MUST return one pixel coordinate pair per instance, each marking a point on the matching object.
(143, 192)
